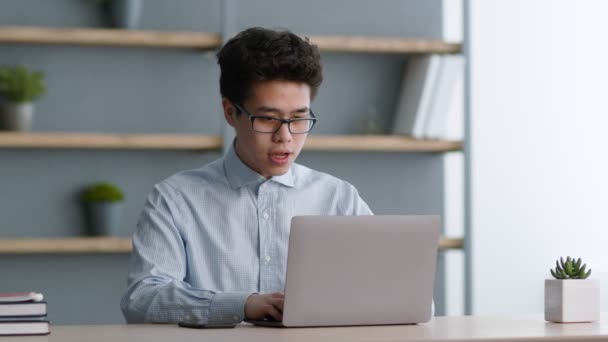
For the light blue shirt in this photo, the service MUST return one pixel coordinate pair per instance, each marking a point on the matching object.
(210, 237)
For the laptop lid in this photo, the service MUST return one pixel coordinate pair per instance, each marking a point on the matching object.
(360, 270)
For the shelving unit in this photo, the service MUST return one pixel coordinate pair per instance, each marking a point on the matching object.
(370, 143)
(164, 141)
(110, 245)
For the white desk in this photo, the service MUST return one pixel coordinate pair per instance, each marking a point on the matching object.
(466, 328)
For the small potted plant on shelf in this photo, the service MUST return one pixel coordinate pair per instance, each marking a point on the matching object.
(103, 208)
(571, 297)
(19, 87)
(124, 14)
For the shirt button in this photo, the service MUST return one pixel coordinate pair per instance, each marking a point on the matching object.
(236, 318)
(266, 216)
(267, 258)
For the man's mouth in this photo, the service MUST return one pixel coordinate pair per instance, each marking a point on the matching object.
(279, 158)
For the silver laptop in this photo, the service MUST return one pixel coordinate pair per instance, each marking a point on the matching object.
(359, 270)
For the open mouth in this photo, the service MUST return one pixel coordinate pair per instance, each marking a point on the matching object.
(279, 158)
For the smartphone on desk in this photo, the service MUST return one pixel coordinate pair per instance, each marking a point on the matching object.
(194, 325)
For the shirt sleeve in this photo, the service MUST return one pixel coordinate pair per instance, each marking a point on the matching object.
(353, 203)
(157, 292)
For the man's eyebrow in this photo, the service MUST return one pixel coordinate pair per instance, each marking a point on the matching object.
(266, 109)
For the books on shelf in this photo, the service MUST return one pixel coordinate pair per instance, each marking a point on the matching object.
(23, 313)
(447, 81)
(427, 89)
(415, 95)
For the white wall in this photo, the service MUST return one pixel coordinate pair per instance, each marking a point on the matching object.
(540, 138)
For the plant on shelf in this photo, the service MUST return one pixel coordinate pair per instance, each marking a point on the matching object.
(124, 14)
(19, 87)
(103, 204)
(571, 297)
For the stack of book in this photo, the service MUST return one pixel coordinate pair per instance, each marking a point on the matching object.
(427, 89)
(23, 313)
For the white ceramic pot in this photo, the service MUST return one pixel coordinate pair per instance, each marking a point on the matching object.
(572, 300)
(16, 116)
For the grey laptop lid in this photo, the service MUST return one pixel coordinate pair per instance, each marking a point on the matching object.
(360, 270)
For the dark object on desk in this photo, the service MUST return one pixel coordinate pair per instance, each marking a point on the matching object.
(205, 326)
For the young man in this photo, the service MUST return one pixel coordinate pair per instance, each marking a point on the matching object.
(211, 243)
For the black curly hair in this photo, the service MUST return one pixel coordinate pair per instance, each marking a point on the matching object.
(259, 54)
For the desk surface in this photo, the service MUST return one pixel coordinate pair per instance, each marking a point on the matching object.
(467, 328)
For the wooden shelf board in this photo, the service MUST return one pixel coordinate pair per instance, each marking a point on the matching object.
(207, 40)
(379, 143)
(66, 245)
(446, 243)
(109, 37)
(88, 245)
(111, 141)
(383, 45)
(370, 143)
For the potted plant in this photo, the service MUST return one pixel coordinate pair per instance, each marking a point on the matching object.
(124, 14)
(103, 208)
(19, 87)
(571, 297)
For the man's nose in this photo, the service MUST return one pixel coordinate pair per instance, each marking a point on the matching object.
(283, 133)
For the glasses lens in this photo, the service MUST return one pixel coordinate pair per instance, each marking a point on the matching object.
(301, 125)
(265, 125)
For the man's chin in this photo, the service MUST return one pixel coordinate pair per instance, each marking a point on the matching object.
(279, 171)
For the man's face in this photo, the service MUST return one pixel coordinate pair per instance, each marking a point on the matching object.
(270, 154)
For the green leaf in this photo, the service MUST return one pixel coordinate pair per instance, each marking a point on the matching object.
(103, 192)
(568, 267)
(557, 275)
(557, 268)
(587, 274)
(18, 84)
(581, 272)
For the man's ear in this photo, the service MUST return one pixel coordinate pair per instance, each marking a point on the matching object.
(229, 111)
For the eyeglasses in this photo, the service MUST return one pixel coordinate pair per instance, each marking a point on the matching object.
(269, 124)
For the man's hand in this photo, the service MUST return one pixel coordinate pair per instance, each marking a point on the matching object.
(260, 306)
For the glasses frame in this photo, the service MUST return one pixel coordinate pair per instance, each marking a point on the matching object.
(252, 118)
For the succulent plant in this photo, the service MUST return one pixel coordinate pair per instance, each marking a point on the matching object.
(20, 85)
(570, 269)
(103, 192)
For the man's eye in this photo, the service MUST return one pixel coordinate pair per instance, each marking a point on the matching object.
(265, 119)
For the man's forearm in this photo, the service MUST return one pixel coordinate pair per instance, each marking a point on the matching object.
(150, 301)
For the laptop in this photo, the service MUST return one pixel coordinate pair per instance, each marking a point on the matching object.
(359, 270)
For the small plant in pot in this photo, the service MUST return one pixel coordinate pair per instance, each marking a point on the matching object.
(103, 204)
(125, 14)
(571, 297)
(19, 87)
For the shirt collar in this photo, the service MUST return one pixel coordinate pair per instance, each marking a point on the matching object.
(240, 175)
